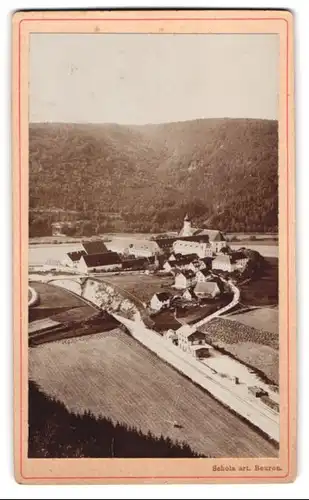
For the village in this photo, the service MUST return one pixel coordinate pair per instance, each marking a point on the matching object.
(194, 268)
(184, 282)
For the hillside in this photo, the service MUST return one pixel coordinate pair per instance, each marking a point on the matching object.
(144, 178)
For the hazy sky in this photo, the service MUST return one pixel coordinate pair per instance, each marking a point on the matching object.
(138, 78)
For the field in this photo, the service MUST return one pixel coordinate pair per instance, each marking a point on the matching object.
(55, 296)
(59, 305)
(256, 348)
(264, 290)
(141, 286)
(263, 318)
(110, 374)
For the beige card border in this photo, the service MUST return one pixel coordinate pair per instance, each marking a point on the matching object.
(73, 471)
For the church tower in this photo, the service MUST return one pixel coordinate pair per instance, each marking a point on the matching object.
(186, 230)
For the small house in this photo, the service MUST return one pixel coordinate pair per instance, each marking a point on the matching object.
(203, 275)
(189, 294)
(184, 279)
(207, 289)
(223, 262)
(240, 260)
(72, 258)
(160, 300)
(109, 261)
(194, 342)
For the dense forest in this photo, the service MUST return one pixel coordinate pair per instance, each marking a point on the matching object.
(56, 433)
(223, 172)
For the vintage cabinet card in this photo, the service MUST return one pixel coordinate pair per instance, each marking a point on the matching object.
(154, 281)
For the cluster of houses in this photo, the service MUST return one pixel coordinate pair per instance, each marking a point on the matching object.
(186, 255)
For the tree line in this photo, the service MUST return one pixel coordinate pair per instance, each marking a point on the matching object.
(54, 432)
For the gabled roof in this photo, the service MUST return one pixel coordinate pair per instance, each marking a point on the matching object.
(190, 290)
(187, 273)
(75, 256)
(238, 255)
(207, 287)
(213, 234)
(94, 247)
(165, 243)
(223, 258)
(101, 259)
(163, 296)
(206, 260)
(205, 272)
(186, 330)
(131, 263)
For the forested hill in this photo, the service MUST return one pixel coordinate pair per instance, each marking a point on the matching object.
(223, 172)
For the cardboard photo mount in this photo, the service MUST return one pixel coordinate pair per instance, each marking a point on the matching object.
(199, 470)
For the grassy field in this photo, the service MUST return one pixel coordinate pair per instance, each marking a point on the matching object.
(142, 286)
(264, 318)
(55, 296)
(256, 348)
(264, 290)
(113, 375)
(63, 307)
(57, 303)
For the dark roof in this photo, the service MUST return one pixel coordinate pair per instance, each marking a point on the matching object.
(205, 272)
(191, 291)
(94, 247)
(75, 256)
(207, 287)
(131, 263)
(238, 255)
(190, 257)
(162, 296)
(207, 260)
(187, 273)
(213, 234)
(102, 259)
(164, 243)
(204, 238)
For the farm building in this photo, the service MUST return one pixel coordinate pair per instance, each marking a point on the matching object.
(160, 300)
(240, 260)
(193, 342)
(183, 262)
(223, 263)
(134, 264)
(109, 261)
(94, 247)
(143, 248)
(203, 275)
(189, 294)
(184, 279)
(72, 258)
(206, 289)
(230, 262)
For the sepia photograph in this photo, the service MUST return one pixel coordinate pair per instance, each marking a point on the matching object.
(154, 216)
(153, 246)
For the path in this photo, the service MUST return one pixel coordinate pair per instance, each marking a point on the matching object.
(222, 389)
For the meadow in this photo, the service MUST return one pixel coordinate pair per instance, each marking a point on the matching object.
(113, 376)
